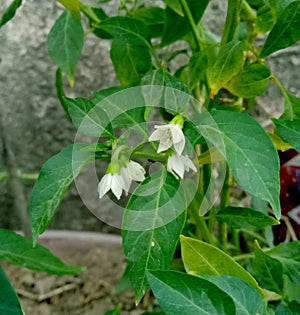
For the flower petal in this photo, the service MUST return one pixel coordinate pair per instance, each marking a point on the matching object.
(104, 185)
(177, 138)
(136, 171)
(126, 179)
(188, 164)
(175, 164)
(116, 187)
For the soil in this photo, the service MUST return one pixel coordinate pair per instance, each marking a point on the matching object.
(91, 292)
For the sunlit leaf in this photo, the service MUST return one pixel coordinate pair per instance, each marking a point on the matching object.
(201, 258)
(229, 62)
(72, 6)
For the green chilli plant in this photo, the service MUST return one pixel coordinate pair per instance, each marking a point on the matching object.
(177, 142)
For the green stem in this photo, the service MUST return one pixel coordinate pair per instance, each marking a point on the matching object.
(243, 257)
(188, 14)
(201, 224)
(154, 55)
(255, 235)
(25, 176)
(149, 156)
(225, 201)
(60, 90)
(88, 12)
(232, 20)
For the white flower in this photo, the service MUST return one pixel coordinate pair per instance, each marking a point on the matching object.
(117, 183)
(169, 135)
(136, 171)
(132, 171)
(114, 182)
(177, 164)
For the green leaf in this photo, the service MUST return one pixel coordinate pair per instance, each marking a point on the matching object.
(265, 19)
(291, 106)
(285, 31)
(124, 107)
(87, 118)
(18, 250)
(252, 81)
(54, 179)
(198, 66)
(289, 131)
(123, 27)
(201, 258)
(10, 12)
(175, 96)
(115, 311)
(177, 25)
(245, 218)
(152, 223)
(94, 3)
(279, 143)
(229, 62)
(256, 170)
(289, 256)
(153, 17)
(65, 42)
(130, 50)
(179, 293)
(245, 298)
(72, 6)
(9, 302)
(267, 270)
(131, 60)
(293, 308)
(175, 6)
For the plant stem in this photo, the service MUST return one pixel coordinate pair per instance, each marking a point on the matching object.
(20, 202)
(225, 194)
(232, 20)
(201, 224)
(243, 257)
(188, 14)
(89, 13)
(146, 155)
(24, 176)
(60, 90)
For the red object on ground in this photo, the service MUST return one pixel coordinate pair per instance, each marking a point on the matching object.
(290, 195)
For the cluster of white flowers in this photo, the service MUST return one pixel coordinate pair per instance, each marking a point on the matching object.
(171, 135)
(119, 178)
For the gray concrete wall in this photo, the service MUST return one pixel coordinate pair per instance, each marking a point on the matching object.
(35, 124)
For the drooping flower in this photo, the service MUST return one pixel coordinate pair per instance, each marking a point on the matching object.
(168, 135)
(136, 171)
(113, 182)
(178, 164)
(119, 182)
